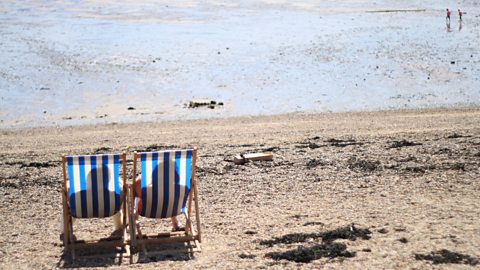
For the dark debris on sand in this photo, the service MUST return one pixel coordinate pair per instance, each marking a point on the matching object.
(402, 143)
(327, 249)
(308, 254)
(446, 256)
(355, 163)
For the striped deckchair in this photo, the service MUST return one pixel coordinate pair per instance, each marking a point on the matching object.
(168, 187)
(94, 187)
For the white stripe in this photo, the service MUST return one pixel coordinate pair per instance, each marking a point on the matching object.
(88, 186)
(183, 180)
(148, 174)
(160, 185)
(111, 184)
(171, 183)
(101, 205)
(76, 182)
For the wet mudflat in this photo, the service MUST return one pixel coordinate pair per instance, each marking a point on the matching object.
(82, 62)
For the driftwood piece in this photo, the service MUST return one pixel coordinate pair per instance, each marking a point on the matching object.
(242, 159)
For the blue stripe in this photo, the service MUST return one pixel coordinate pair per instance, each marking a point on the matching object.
(106, 193)
(71, 192)
(116, 177)
(188, 183)
(83, 186)
(166, 177)
(154, 204)
(93, 163)
(143, 158)
(178, 158)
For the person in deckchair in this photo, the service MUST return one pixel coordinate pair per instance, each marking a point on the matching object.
(138, 205)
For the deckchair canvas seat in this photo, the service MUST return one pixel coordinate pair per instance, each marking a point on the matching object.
(94, 187)
(168, 188)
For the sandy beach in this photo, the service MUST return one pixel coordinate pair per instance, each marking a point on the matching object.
(407, 179)
(370, 109)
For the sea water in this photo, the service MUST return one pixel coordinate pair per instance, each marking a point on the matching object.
(82, 62)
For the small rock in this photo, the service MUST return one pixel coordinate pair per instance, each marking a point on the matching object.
(383, 230)
(452, 62)
(246, 256)
(130, 108)
(403, 240)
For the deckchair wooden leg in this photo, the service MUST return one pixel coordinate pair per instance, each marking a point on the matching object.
(71, 237)
(197, 244)
(197, 214)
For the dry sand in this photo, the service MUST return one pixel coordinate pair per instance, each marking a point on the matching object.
(407, 180)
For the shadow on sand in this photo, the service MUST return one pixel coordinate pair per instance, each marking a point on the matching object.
(327, 249)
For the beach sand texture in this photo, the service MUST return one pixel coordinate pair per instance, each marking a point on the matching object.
(410, 178)
(372, 117)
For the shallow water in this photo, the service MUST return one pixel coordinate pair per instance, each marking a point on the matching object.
(80, 62)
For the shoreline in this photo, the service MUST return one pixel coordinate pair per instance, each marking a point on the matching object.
(243, 117)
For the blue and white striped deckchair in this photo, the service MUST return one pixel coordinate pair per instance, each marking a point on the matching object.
(94, 187)
(168, 187)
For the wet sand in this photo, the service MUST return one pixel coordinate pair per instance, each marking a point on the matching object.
(407, 180)
(83, 62)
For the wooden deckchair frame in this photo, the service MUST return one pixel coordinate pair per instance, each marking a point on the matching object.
(190, 235)
(71, 244)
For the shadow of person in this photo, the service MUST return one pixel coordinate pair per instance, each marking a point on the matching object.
(459, 25)
(97, 197)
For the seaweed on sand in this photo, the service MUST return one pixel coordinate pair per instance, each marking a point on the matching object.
(446, 256)
(308, 254)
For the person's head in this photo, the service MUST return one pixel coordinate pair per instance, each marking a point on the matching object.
(447, 9)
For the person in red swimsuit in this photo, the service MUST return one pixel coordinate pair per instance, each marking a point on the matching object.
(448, 16)
(460, 14)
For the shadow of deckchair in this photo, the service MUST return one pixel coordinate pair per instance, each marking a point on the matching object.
(175, 251)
